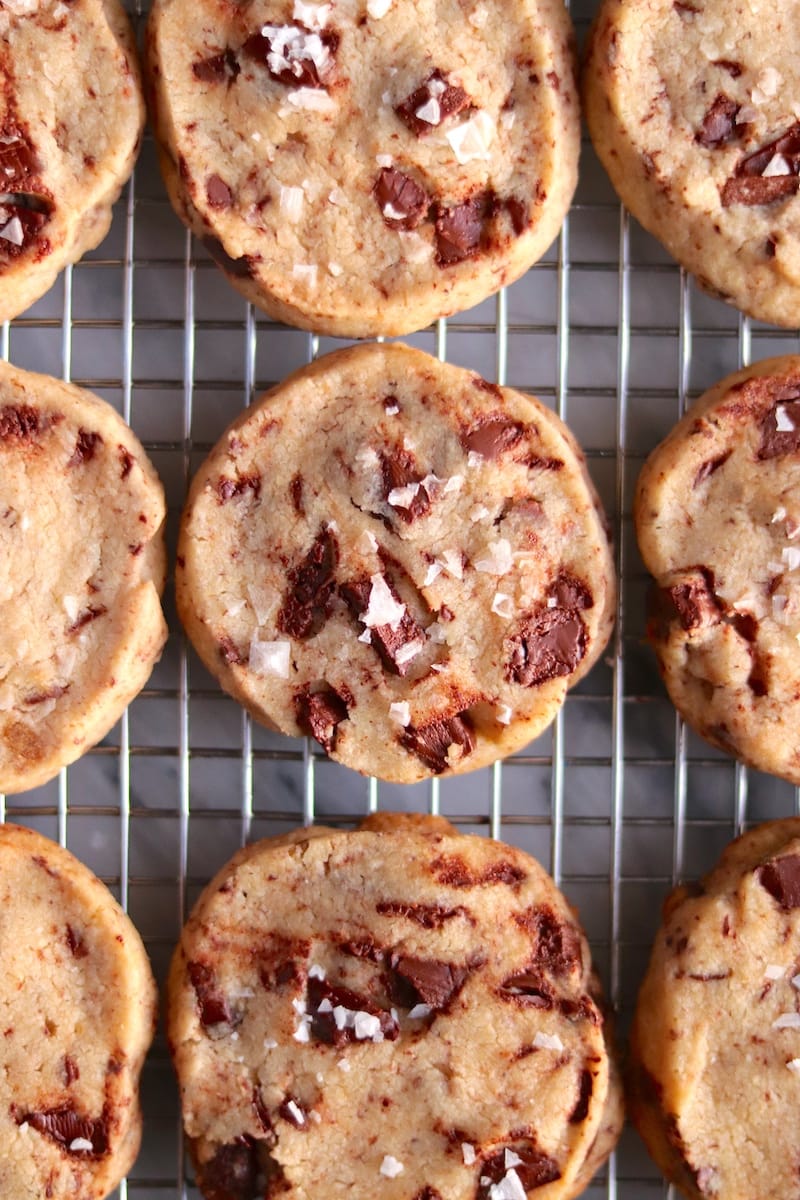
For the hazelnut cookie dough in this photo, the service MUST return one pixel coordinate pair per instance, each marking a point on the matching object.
(409, 1014)
(715, 1077)
(398, 558)
(694, 110)
(82, 565)
(717, 514)
(79, 1010)
(71, 117)
(362, 167)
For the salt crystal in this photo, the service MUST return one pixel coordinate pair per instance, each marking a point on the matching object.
(378, 9)
(393, 214)
(790, 1020)
(791, 556)
(296, 1112)
(503, 606)
(315, 971)
(419, 1012)
(306, 273)
(81, 1143)
(507, 119)
(504, 714)
(478, 512)
(367, 542)
(335, 269)
(71, 606)
(454, 483)
(509, 1188)
(312, 99)
(453, 563)
(430, 112)
(390, 1167)
(343, 1065)
(337, 196)
(400, 712)
(783, 421)
(403, 497)
(366, 1025)
(774, 972)
(269, 658)
(794, 1065)
(473, 137)
(510, 1159)
(382, 608)
(365, 637)
(777, 165)
(270, 1043)
(434, 571)
(313, 16)
(545, 1041)
(13, 232)
(408, 651)
(431, 483)
(468, 1154)
(291, 203)
(498, 560)
(474, 459)
(324, 1005)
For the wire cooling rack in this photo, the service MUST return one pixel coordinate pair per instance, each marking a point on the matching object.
(618, 798)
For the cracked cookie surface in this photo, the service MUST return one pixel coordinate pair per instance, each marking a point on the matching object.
(359, 168)
(398, 558)
(717, 515)
(409, 1012)
(716, 1036)
(694, 110)
(82, 546)
(79, 1011)
(71, 117)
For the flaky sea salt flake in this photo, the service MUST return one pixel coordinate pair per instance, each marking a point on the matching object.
(391, 1167)
(773, 971)
(503, 606)
(545, 1041)
(472, 138)
(378, 9)
(783, 421)
(468, 1153)
(313, 16)
(312, 99)
(291, 203)
(498, 558)
(788, 1020)
(270, 658)
(400, 712)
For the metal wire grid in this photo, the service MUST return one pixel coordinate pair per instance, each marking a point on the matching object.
(618, 799)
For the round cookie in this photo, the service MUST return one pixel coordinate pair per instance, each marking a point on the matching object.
(716, 1037)
(399, 558)
(402, 1012)
(82, 548)
(693, 109)
(79, 1012)
(364, 167)
(71, 117)
(717, 512)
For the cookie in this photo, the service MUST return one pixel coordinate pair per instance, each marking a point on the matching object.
(398, 558)
(717, 513)
(363, 167)
(715, 1042)
(411, 1013)
(71, 117)
(693, 108)
(83, 563)
(79, 1011)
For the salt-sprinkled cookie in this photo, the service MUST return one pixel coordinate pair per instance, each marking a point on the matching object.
(398, 558)
(79, 1010)
(409, 1014)
(715, 1078)
(71, 117)
(83, 563)
(365, 166)
(694, 110)
(717, 515)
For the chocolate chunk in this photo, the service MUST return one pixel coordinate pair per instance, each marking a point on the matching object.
(296, 493)
(748, 185)
(240, 268)
(734, 69)
(230, 652)
(387, 641)
(431, 742)
(450, 98)
(459, 230)
(719, 123)
(293, 1112)
(493, 436)
(261, 1111)
(427, 1193)
(557, 945)
(529, 990)
(213, 1006)
(311, 588)
(52, 693)
(32, 213)
(232, 1174)
(399, 470)
(775, 442)
(429, 916)
(581, 1110)
(454, 871)
(64, 1125)
(87, 616)
(323, 1024)
(126, 461)
(709, 467)
(21, 423)
(85, 447)
(319, 713)
(518, 212)
(549, 642)
(220, 68)
(534, 1171)
(781, 878)
(282, 961)
(695, 601)
(426, 981)
(77, 946)
(227, 489)
(403, 203)
(18, 160)
(293, 55)
(218, 194)
(570, 592)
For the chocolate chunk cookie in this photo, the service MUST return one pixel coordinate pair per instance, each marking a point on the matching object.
(366, 166)
(82, 557)
(79, 1009)
(716, 1037)
(409, 1013)
(717, 515)
(71, 117)
(694, 110)
(398, 558)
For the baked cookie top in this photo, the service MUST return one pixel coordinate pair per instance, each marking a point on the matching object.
(399, 558)
(71, 116)
(694, 109)
(365, 166)
(401, 1012)
(79, 1010)
(717, 513)
(716, 1038)
(83, 563)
